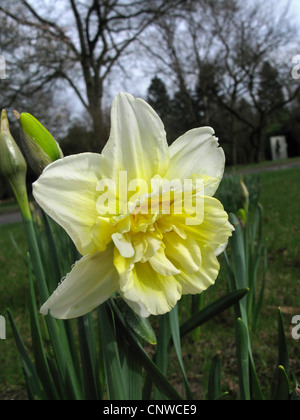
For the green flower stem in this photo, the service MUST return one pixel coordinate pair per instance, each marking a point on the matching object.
(56, 328)
(36, 258)
(22, 200)
(57, 331)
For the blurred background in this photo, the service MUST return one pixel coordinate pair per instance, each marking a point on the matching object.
(224, 63)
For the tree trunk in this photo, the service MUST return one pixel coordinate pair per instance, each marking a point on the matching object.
(261, 156)
(234, 143)
(100, 130)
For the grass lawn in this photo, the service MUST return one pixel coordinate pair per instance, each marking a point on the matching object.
(280, 198)
(13, 295)
(262, 166)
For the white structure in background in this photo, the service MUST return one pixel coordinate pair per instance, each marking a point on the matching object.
(279, 147)
(2, 67)
(2, 328)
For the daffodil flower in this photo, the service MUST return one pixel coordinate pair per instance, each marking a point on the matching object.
(149, 258)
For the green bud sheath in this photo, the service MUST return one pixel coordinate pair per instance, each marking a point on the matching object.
(39, 146)
(40, 135)
(13, 165)
(245, 195)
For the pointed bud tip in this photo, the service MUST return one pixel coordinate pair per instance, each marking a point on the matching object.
(35, 135)
(4, 121)
(16, 115)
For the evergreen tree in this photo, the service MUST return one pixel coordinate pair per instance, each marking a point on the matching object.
(159, 99)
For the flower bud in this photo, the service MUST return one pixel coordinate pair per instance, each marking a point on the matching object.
(245, 195)
(38, 144)
(13, 165)
(241, 214)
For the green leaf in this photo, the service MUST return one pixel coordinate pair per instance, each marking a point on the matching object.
(87, 343)
(256, 391)
(214, 383)
(175, 331)
(41, 363)
(212, 310)
(161, 357)
(283, 354)
(162, 354)
(56, 328)
(131, 370)
(33, 383)
(114, 377)
(17, 248)
(155, 374)
(52, 255)
(282, 389)
(259, 305)
(238, 253)
(243, 360)
(141, 326)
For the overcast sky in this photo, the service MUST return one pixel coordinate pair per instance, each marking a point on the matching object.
(139, 83)
(296, 7)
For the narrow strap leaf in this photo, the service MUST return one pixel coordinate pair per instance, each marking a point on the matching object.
(162, 354)
(115, 384)
(212, 310)
(282, 389)
(34, 386)
(156, 375)
(41, 362)
(141, 326)
(214, 383)
(87, 342)
(243, 360)
(283, 354)
(175, 331)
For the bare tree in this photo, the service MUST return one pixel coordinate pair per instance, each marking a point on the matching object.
(79, 42)
(221, 47)
(249, 38)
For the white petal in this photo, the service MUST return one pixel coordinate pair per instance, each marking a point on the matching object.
(148, 292)
(204, 277)
(91, 282)
(160, 263)
(183, 252)
(144, 289)
(137, 142)
(67, 192)
(197, 152)
(137, 307)
(220, 249)
(124, 245)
